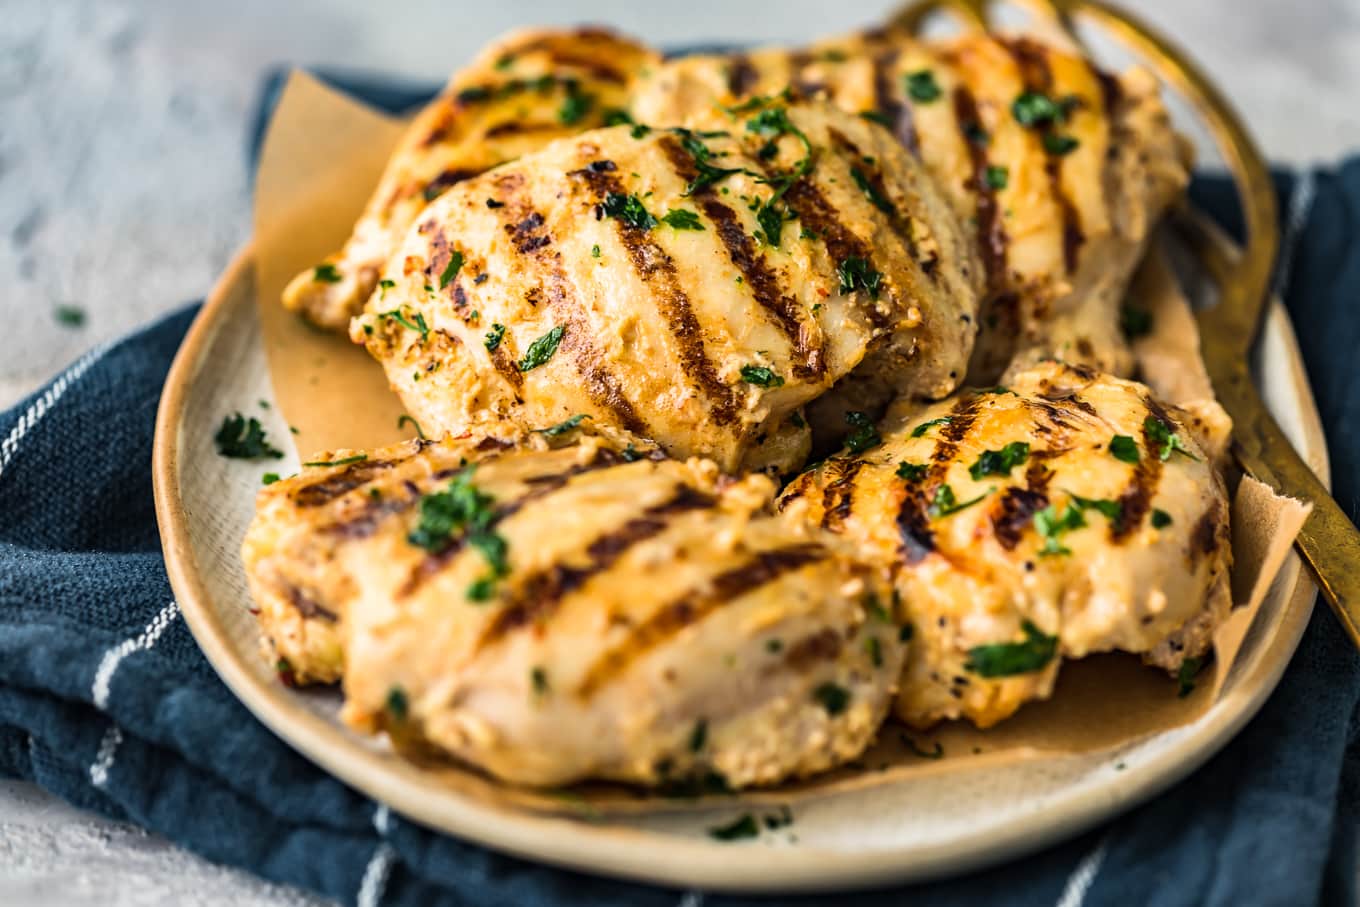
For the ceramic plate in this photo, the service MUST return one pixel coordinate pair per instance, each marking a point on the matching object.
(917, 828)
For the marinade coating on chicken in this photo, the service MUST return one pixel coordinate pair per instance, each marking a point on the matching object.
(693, 287)
(521, 92)
(291, 550)
(1065, 514)
(1060, 168)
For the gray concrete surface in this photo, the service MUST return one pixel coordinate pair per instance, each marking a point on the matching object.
(123, 192)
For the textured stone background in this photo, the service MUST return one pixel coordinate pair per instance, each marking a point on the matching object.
(123, 191)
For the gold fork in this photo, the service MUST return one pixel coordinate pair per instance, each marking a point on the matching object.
(1329, 543)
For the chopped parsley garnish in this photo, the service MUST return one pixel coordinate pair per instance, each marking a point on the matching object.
(774, 646)
(797, 420)
(912, 472)
(538, 679)
(1134, 322)
(781, 819)
(924, 427)
(396, 704)
(1185, 677)
(629, 209)
(493, 204)
(383, 286)
(505, 61)
(1000, 462)
(946, 504)
(937, 753)
(244, 439)
(595, 251)
(494, 337)
(1057, 144)
(451, 269)
(680, 219)
(630, 454)
(1006, 659)
(1123, 447)
(760, 376)
(404, 418)
(269, 478)
(744, 827)
(875, 116)
(71, 316)
(871, 192)
(875, 650)
(1111, 510)
(343, 461)
(1168, 441)
(326, 273)
(561, 428)
(856, 274)
(542, 349)
(461, 509)
(772, 212)
(1034, 108)
(1051, 526)
(418, 325)
(699, 736)
(863, 436)
(922, 87)
(976, 135)
(997, 177)
(1160, 518)
(876, 609)
(832, 697)
(617, 116)
(574, 106)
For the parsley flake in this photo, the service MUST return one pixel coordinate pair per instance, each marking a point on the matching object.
(1123, 447)
(856, 274)
(561, 428)
(1010, 658)
(997, 177)
(326, 273)
(629, 209)
(1160, 434)
(494, 337)
(864, 436)
(1134, 322)
(680, 219)
(924, 427)
(922, 87)
(946, 504)
(396, 703)
(743, 827)
(1160, 518)
(1000, 462)
(760, 376)
(1185, 677)
(871, 191)
(71, 316)
(832, 697)
(1034, 108)
(244, 439)
(542, 349)
(912, 472)
(418, 324)
(451, 269)
(1059, 145)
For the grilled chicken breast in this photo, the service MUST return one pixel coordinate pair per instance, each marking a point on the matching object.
(522, 91)
(693, 287)
(1068, 514)
(556, 614)
(1061, 169)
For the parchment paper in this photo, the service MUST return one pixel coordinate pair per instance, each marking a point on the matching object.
(321, 158)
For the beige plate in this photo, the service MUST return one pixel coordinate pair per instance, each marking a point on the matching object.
(919, 828)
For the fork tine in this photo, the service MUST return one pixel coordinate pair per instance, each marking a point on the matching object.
(972, 14)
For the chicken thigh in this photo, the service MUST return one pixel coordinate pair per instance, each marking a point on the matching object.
(696, 287)
(521, 92)
(1067, 514)
(1060, 169)
(551, 615)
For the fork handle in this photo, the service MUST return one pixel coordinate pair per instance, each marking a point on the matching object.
(1328, 542)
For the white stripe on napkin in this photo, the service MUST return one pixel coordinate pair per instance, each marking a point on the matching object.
(103, 676)
(375, 877)
(1300, 206)
(103, 760)
(39, 407)
(1081, 879)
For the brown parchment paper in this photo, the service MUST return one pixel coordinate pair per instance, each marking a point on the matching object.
(321, 158)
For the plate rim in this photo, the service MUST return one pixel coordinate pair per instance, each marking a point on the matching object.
(652, 857)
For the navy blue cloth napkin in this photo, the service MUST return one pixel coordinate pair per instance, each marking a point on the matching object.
(106, 700)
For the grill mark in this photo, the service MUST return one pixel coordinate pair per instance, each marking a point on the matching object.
(763, 568)
(342, 482)
(444, 180)
(874, 175)
(838, 496)
(603, 386)
(1015, 513)
(913, 519)
(991, 231)
(1204, 535)
(1136, 499)
(539, 487)
(823, 645)
(367, 521)
(1032, 60)
(886, 100)
(798, 61)
(520, 127)
(742, 76)
(783, 310)
(817, 215)
(657, 272)
(540, 595)
(308, 606)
